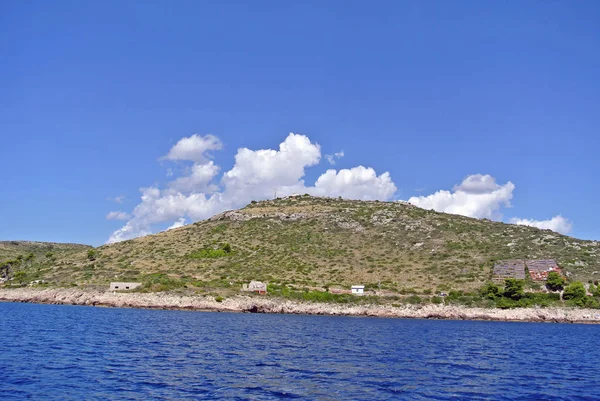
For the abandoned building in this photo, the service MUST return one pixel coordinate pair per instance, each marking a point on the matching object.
(509, 269)
(255, 286)
(539, 269)
(517, 269)
(121, 286)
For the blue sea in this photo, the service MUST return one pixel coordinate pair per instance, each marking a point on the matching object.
(51, 352)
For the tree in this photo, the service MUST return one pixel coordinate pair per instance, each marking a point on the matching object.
(227, 248)
(49, 255)
(555, 282)
(575, 291)
(20, 276)
(513, 288)
(91, 254)
(490, 291)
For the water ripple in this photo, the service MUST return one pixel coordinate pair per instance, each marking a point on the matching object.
(83, 353)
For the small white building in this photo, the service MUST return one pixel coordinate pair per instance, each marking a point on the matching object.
(120, 286)
(255, 286)
(358, 289)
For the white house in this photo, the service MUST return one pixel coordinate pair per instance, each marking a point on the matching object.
(358, 289)
(120, 286)
(255, 286)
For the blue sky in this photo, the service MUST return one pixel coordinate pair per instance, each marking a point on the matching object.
(94, 95)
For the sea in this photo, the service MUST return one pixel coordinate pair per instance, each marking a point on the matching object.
(57, 352)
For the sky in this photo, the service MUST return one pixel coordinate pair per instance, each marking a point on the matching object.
(124, 118)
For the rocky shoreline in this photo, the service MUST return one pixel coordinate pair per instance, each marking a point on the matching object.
(254, 304)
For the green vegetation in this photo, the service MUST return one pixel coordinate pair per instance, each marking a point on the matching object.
(20, 276)
(574, 291)
(211, 253)
(91, 254)
(490, 291)
(555, 281)
(513, 289)
(304, 244)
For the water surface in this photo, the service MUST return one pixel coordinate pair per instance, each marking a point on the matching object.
(52, 352)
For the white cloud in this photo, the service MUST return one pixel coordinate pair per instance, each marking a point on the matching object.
(194, 148)
(262, 173)
(256, 175)
(557, 223)
(199, 179)
(477, 196)
(117, 199)
(179, 223)
(117, 215)
(477, 184)
(356, 183)
(332, 158)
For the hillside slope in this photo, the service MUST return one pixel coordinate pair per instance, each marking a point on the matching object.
(13, 249)
(319, 242)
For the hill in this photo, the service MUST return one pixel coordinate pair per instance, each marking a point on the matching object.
(312, 242)
(32, 259)
(13, 249)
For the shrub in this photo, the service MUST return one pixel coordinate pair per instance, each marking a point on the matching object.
(91, 254)
(414, 299)
(513, 288)
(574, 291)
(555, 282)
(20, 276)
(437, 300)
(490, 291)
(208, 253)
(219, 298)
(161, 282)
(505, 303)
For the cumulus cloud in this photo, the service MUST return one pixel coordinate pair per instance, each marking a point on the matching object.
(558, 224)
(256, 174)
(196, 192)
(356, 183)
(333, 157)
(199, 179)
(477, 196)
(117, 215)
(179, 223)
(262, 173)
(194, 148)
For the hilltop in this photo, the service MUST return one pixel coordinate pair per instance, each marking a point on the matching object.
(13, 249)
(311, 242)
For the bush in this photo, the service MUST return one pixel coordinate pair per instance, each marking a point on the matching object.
(490, 291)
(437, 300)
(574, 291)
(505, 303)
(219, 298)
(161, 282)
(414, 299)
(555, 282)
(20, 276)
(513, 288)
(91, 254)
(208, 253)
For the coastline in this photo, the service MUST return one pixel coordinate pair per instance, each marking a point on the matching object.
(254, 304)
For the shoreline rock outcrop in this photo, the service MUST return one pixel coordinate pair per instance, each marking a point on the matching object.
(255, 304)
